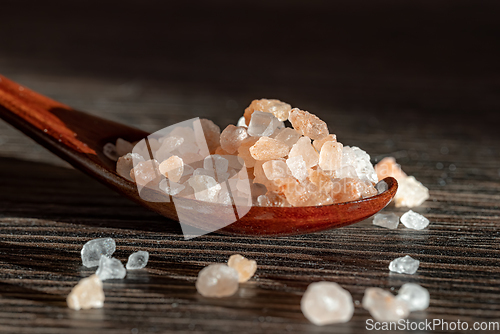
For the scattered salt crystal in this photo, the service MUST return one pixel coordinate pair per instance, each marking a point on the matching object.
(205, 187)
(172, 168)
(109, 150)
(416, 297)
(330, 157)
(262, 124)
(245, 267)
(297, 167)
(411, 193)
(383, 306)
(126, 163)
(137, 260)
(274, 169)
(404, 265)
(217, 280)
(318, 143)
(268, 148)
(308, 124)
(389, 220)
(87, 294)
(288, 136)
(123, 147)
(414, 220)
(110, 268)
(388, 167)
(326, 303)
(304, 148)
(92, 251)
(170, 187)
(231, 138)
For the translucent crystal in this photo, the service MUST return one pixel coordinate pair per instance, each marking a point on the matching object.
(109, 150)
(242, 122)
(318, 143)
(126, 163)
(389, 220)
(411, 193)
(346, 172)
(170, 143)
(170, 187)
(268, 148)
(110, 268)
(123, 147)
(304, 148)
(210, 135)
(272, 198)
(404, 265)
(388, 167)
(217, 280)
(414, 220)
(87, 294)
(302, 193)
(383, 306)
(288, 136)
(297, 167)
(172, 168)
(330, 157)
(345, 190)
(231, 138)
(205, 187)
(244, 151)
(245, 267)
(137, 260)
(321, 180)
(279, 109)
(184, 132)
(218, 164)
(360, 160)
(263, 124)
(188, 148)
(326, 303)
(146, 173)
(92, 251)
(416, 297)
(308, 124)
(275, 169)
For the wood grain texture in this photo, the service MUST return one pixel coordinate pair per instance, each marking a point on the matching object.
(427, 95)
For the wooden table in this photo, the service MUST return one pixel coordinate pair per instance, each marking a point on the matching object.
(430, 100)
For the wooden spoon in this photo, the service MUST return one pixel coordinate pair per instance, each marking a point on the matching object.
(79, 138)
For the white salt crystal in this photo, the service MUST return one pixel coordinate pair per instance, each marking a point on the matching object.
(171, 143)
(304, 148)
(383, 306)
(360, 160)
(275, 169)
(246, 268)
(297, 167)
(242, 122)
(110, 268)
(109, 150)
(137, 260)
(346, 172)
(217, 280)
(288, 136)
(404, 265)
(87, 294)
(326, 303)
(217, 163)
(184, 132)
(126, 163)
(330, 157)
(188, 148)
(170, 187)
(411, 193)
(205, 187)
(416, 297)
(262, 124)
(92, 251)
(414, 220)
(203, 171)
(389, 220)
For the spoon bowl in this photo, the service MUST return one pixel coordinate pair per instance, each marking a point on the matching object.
(78, 138)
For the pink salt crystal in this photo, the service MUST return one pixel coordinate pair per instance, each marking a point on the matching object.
(297, 167)
(308, 124)
(231, 138)
(321, 180)
(217, 280)
(318, 143)
(263, 124)
(302, 193)
(267, 149)
(345, 190)
(185, 132)
(126, 163)
(188, 148)
(220, 151)
(304, 148)
(274, 169)
(172, 168)
(330, 157)
(170, 143)
(146, 173)
(288, 136)
(388, 167)
(272, 198)
(259, 173)
(383, 306)
(246, 268)
(190, 158)
(211, 134)
(123, 147)
(244, 151)
(279, 109)
(87, 294)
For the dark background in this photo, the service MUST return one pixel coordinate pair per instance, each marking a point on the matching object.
(418, 80)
